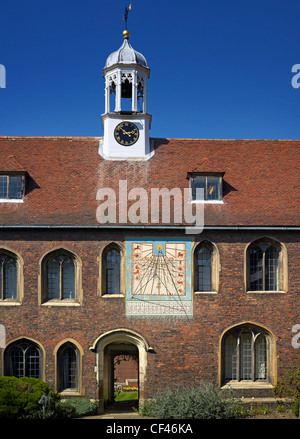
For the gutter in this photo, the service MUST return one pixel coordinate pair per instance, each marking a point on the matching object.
(147, 227)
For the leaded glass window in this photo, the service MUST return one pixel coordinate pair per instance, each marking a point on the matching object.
(8, 277)
(203, 265)
(245, 356)
(23, 361)
(11, 186)
(230, 358)
(68, 367)
(61, 277)
(264, 262)
(111, 265)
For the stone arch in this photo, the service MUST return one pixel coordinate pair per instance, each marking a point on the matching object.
(42, 296)
(79, 355)
(121, 340)
(283, 261)
(30, 340)
(271, 349)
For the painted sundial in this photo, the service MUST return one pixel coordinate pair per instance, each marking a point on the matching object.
(158, 277)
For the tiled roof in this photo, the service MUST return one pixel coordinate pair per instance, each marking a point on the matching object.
(261, 180)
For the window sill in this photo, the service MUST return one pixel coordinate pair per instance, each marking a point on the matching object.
(205, 292)
(9, 303)
(70, 392)
(60, 303)
(112, 296)
(247, 385)
(266, 292)
(11, 200)
(207, 201)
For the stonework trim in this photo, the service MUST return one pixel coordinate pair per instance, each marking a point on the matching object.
(80, 353)
(282, 266)
(215, 267)
(101, 281)
(271, 355)
(30, 340)
(20, 276)
(121, 335)
(42, 278)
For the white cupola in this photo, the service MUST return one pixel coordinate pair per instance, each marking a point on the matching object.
(126, 122)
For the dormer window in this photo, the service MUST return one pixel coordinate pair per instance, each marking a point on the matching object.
(207, 188)
(11, 187)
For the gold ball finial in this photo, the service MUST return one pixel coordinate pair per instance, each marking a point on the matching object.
(126, 34)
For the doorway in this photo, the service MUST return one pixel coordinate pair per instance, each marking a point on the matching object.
(108, 346)
(126, 377)
(122, 371)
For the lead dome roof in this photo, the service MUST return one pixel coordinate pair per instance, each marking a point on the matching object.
(126, 55)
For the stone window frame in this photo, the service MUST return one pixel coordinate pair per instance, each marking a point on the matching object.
(282, 266)
(215, 267)
(20, 277)
(101, 278)
(42, 279)
(271, 358)
(79, 354)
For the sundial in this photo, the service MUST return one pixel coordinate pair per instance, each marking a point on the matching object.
(158, 277)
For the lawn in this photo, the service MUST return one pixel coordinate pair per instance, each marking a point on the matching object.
(127, 396)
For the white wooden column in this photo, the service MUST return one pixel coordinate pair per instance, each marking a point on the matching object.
(134, 91)
(107, 96)
(118, 91)
(145, 96)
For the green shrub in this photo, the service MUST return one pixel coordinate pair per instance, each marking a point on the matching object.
(202, 402)
(19, 397)
(289, 384)
(296, 407)
(82, 406)
(147, 409)
(63, 410)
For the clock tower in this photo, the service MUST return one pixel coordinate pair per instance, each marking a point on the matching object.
(126, 122)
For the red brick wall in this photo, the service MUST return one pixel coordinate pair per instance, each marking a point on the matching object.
(126, 369)
(184, 350)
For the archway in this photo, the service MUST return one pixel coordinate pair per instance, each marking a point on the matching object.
(107, 346)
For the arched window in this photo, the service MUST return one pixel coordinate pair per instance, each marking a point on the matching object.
(8, 277)
(23, 359)
(206, 268)
(264, 266)
(246, 354)
(61, 277)
(111, 260)
(68, 368)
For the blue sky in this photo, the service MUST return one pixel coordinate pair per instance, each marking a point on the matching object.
(219, 69)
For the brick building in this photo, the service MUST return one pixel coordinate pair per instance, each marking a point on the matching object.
(216, 303)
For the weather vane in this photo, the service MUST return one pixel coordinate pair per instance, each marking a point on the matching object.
(126, 14)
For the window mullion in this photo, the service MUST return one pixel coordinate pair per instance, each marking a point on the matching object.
(24, 362)
(3, 279)
(238, 358)
(264, 271)
(8, 186)
(1, 285)
(61, 280)
(253, 357)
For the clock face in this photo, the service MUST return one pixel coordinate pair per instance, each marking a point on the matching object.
(126, 133)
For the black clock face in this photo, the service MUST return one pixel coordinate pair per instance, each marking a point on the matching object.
(126, 133)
